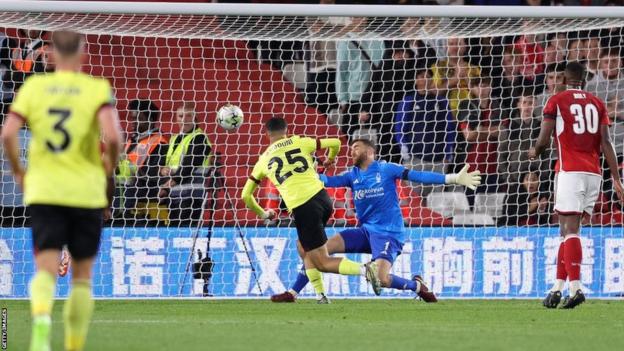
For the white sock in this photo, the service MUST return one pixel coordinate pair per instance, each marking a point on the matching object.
(575, 286)
(418, 285)
(292, 292)
(363, 270)
(558, 286)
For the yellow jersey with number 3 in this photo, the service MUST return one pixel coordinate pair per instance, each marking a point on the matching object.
(64, 159)
(289, 166)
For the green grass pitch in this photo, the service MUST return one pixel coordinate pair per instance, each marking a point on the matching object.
(344, 325)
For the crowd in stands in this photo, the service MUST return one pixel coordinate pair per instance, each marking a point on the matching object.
(436, 104)
(430, 104)
(160, 180)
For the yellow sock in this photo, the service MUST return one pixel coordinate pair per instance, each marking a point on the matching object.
(316, 279)
(77, 315)
(349, 267)
(42, 288)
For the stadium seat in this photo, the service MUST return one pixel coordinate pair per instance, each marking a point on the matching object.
(490, 204)
(414, 213)
(473, 219)
(449, 204)
(295, 73)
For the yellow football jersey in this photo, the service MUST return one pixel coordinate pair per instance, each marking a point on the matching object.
(64, 160)
(289, 166)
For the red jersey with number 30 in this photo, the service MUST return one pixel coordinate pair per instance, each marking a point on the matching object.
(578, 116)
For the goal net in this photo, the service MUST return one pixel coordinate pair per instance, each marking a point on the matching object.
(433, 87)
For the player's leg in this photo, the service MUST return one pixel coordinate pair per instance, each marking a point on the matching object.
(49, 229)
(335, 244)
(319, 258)
(79, 306)
(310, 219)
(84, 242)
(575, 193)
(385, 251)
(573, 251)
(572, 256)
(553, 298)
(554, 295)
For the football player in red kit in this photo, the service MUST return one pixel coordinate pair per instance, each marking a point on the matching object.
(581, 125)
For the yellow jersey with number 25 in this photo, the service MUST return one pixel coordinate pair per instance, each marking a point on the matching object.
(64, 160)
(289, 166)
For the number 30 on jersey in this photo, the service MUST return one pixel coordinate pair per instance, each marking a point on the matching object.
(584, 119)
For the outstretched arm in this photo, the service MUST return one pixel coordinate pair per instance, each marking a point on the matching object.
(333, 144)
(423, 177)
(609, 153)
(338, 181)
(465, 178)
(250, 200)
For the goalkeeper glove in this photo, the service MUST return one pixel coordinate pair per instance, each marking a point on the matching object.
(470, 180)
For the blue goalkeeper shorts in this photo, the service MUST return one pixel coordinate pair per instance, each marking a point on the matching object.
(359, 240)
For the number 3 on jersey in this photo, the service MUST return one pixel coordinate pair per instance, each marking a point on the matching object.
(292, 158)
(59, 127)
(586, 120)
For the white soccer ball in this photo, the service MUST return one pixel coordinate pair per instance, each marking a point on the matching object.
(230, 117)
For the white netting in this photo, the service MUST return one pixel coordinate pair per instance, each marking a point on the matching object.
(432, 92)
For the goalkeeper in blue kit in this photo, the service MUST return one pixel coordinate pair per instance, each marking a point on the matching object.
(381, 230)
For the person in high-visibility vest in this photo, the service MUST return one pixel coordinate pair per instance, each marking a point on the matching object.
(144, 155)
(31, 56)
(21, 58)
(186, 168)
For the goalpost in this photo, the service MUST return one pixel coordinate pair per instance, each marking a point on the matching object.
(433, 86)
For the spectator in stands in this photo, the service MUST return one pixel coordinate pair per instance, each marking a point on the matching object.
(27, 58)
(7, 44)
(516, 139)
(556, 50)
(526, 203)
(479, 119)
(553, 80)
(425, 127)
(593, 55)
(356, 60)
(187, 165)
(532, 57)
(424, 50)
(486, 53)
(138, 171)
(585, 47)
(389, 86)
(423, 54)
(507, 80)
(451, 76)
(576, 48)
(608, 85)
(12, 210)
(320, 58)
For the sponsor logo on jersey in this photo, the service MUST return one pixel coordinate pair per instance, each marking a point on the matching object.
(368, 193)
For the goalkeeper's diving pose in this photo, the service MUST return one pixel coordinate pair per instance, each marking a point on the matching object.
(381, 229)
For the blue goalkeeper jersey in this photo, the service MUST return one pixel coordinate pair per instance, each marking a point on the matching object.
(375, 194)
